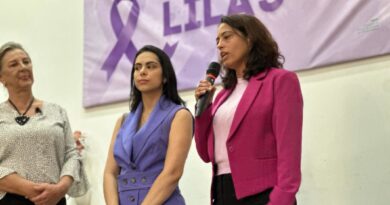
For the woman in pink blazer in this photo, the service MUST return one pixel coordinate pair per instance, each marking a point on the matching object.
(252, 132)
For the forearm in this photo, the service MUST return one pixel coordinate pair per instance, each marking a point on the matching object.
(65, 183)
(16, 184)
(110, 189)
(202, 130)
(162, 188)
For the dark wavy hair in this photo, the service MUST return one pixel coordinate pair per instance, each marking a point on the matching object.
(170, 83)
(264, 51)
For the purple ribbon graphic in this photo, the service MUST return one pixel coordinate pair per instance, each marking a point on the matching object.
(124, 33)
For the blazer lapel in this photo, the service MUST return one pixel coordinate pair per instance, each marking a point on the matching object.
(222, 99)
(246, 101)
(159, 113)
(130, 131)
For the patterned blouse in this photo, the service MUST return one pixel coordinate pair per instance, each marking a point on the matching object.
(42, 150)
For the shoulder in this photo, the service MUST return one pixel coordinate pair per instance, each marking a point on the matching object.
(281, 73)
(52, 108)
(50, 105)
(180, 113)
(183, 120)
(3, 108)
(183, 113)
(276, 75)
(3, 104)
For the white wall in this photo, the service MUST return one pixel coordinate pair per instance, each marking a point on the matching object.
(346, 135)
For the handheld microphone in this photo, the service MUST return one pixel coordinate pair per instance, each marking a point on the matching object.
(211, 74)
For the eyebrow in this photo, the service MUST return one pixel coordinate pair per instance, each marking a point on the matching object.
(148, 63)
(24, 58)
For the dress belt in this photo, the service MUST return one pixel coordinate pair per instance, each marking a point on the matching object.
(136, 180)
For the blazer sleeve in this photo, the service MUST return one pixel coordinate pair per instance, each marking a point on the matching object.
(202, 130)
(287, 125)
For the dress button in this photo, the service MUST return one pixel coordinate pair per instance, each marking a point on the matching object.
(133, 180)
(143, 180)
(230, 148)
(131, 198)
(125, 182)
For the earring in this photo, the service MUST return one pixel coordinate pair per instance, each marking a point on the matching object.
(165, 80)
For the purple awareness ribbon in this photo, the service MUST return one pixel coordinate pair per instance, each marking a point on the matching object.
(125, 45)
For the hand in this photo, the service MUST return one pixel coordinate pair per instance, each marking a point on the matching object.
(203, 87)
(50, 194)
(77, 135)
(30, 191)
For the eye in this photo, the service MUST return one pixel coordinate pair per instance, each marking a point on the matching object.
(12, 65)
(227, 36)
(151, 65)
(26, 62)
(137, 67)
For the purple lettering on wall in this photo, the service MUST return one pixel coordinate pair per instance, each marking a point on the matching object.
(168, 29)
(245, 7)
(208, 19)
(270, 6)
(192, 23)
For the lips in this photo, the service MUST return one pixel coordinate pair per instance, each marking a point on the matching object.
(223, 55)
(25, 77)
(142, 81)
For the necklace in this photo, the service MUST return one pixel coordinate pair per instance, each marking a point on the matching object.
(22, 118)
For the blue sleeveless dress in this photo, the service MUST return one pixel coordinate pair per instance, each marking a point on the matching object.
(140, 154)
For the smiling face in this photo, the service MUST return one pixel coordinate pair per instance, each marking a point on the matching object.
(148, 74)
(16, 70)
(233, 48)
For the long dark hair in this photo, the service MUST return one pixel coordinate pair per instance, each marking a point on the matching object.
(263, 50)
(170, 83)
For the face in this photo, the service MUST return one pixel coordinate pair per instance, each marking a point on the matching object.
(16, 71)
(148, 75)
(233, 47)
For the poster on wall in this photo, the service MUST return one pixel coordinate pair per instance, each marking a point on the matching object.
(309, 33)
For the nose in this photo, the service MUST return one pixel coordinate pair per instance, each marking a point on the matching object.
(219, 44)
(143, 71)
(24, 65)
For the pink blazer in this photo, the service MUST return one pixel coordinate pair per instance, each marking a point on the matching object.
(264, 142)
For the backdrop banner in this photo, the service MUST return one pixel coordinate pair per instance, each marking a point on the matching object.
(309, 33)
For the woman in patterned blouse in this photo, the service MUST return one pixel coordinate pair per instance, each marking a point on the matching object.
(38, 160)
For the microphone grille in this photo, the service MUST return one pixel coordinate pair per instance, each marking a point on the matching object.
(214, 69)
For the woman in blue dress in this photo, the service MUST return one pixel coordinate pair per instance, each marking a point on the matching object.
(149, 146)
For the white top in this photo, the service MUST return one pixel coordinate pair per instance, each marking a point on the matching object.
(221, 124)
(42, 150)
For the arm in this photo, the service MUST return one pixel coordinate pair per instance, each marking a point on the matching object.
(204, 121)
(202, 129)
(287, 126)
(179, 143)
(72, 166)
(111, 171)
(14, 183)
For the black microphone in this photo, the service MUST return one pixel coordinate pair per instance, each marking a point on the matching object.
(38, 110)
(211, 74)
